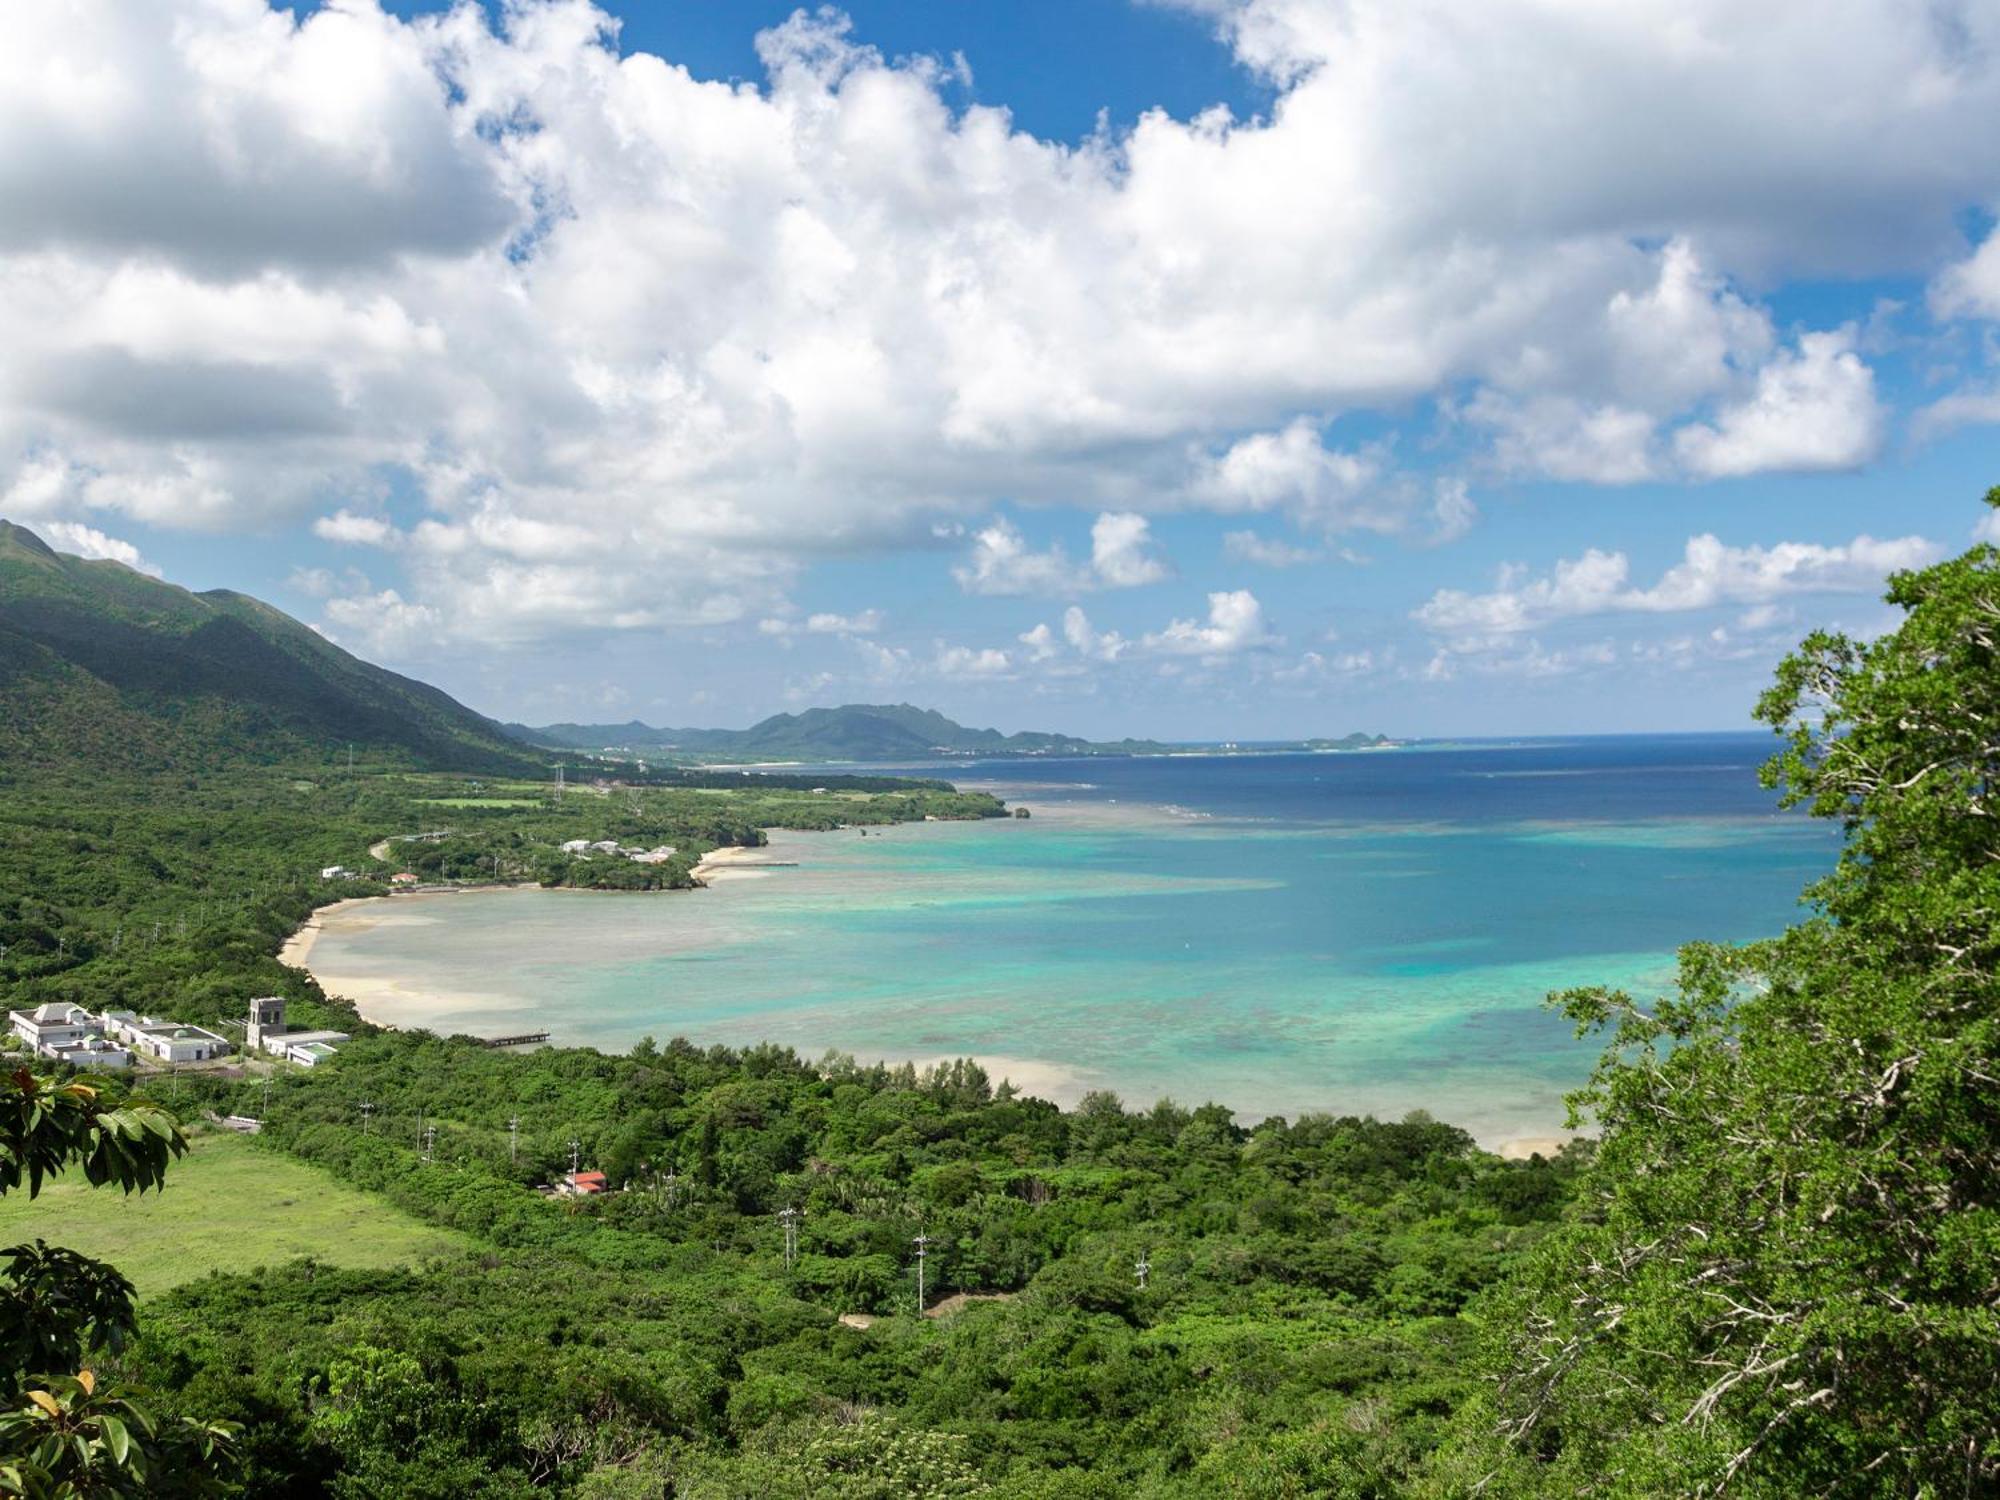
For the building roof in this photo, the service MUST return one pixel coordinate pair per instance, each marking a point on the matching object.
(55, 1013)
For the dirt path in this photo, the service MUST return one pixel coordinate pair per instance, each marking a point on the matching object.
(959, 1301)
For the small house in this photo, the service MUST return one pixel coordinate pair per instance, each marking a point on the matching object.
(582, 1184)
(403, 879)
(336, 872)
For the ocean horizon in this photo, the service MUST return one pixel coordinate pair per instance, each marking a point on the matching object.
(1365, 932)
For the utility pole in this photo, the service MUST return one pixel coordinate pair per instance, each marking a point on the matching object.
(267, 1097)
(1142, 1266)
(790, 1217)
(513, 1139)
(367, 1122)
(575, 1157)
(923, 1242)
(430, 1143)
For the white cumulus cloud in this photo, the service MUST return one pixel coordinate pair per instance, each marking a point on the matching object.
(1235, 624)
(1709, 573)
(1813, 409)
(641, 347)
(87, 541)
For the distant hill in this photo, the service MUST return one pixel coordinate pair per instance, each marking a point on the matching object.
(862, 732)
(855, 731)
(100, 665)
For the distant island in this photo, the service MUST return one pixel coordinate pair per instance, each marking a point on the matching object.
(874, 732)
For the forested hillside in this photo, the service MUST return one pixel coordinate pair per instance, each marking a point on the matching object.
(104, 668)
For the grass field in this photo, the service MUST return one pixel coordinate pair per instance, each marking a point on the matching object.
(227, 1206)
(481, 801)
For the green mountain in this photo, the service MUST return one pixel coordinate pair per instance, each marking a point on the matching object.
(101, 664)
(853, 732)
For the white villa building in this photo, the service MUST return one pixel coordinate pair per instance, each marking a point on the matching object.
(67, 1033)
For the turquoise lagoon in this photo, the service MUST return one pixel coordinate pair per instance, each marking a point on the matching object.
(1357, 933)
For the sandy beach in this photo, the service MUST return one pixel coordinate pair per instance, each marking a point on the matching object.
(298, 947)
(1525, 1146)
(732, 862)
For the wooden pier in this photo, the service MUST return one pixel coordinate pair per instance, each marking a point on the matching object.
(526, 1039)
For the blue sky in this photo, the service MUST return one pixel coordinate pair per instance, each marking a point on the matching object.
(1229, 368)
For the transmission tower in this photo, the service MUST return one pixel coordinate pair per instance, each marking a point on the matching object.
(513, 1139)
(1142, 1267)
(575, 1157)
(430, 1144)
(367, 1118)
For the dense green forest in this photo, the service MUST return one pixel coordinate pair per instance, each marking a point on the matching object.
(1777, 1273)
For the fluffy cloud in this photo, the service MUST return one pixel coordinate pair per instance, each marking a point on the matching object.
(1295, 470)
(644, 346)
(1235, 624)
(1813, 409)
(1122, 555)
(362, 531)
(967, 661)
(867, 622)
(88, 541)
(1709, 573)
(863, 622)
(1971, 287)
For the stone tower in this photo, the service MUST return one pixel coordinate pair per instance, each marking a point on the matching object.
(267, 1021)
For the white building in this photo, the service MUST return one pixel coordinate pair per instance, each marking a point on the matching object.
(574, 846)
(93, 1052)
(165, 1041)
(67, 1033)
(53, 1025)
(336, 872)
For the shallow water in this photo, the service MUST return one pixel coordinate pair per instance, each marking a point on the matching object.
(1367, 932)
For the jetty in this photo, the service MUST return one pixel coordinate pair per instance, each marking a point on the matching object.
(526, 1039)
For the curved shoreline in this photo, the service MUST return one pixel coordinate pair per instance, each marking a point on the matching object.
(388, 1001)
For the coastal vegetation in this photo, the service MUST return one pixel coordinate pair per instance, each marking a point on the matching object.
(1775, 1272)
